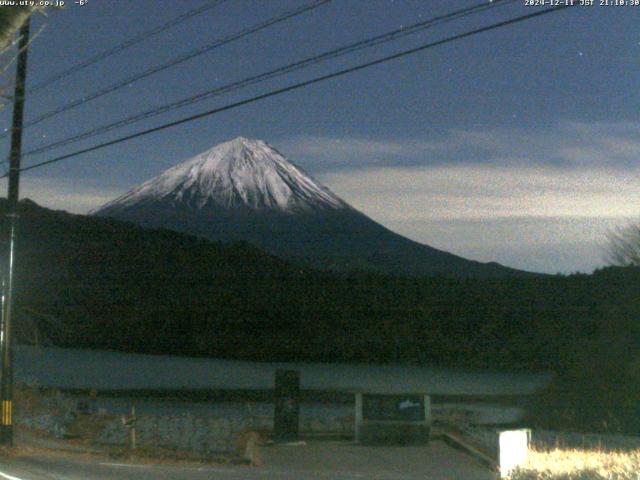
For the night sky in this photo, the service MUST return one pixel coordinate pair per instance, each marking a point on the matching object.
(520, 145)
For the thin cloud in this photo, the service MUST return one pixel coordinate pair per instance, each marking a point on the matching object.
(483, 192)
(540, 219)
(565, 145)
(550, 244)
(59, 194)
(328, 152)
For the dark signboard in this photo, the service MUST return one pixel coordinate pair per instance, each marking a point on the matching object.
(287, 405)
(393, 408)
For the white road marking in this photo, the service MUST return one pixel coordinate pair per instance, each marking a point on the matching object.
(9, 477)
(129, 465)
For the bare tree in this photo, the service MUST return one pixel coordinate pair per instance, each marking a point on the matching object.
(624, 245)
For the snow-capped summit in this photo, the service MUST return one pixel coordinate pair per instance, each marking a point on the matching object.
(238, 174)
(245, 190)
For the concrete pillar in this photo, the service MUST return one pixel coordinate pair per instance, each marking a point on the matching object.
(427, 409)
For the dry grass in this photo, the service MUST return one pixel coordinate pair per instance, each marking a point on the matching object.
(580, 465)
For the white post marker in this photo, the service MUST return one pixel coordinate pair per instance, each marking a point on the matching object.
(358, 416)
(514, 448)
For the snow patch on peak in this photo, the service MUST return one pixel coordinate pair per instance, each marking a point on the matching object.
(238, 174)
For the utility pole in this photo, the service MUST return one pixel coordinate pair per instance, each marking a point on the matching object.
(6, 387)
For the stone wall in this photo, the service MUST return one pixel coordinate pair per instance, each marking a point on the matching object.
(340, 425)
(202, 434)
(188, 429)
(210, 434)
(47, 411)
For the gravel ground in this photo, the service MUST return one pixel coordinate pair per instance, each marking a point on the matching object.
(435, 461)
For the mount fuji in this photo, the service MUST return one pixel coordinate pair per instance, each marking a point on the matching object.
(245, 190)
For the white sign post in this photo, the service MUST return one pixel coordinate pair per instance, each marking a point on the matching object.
(514, 448)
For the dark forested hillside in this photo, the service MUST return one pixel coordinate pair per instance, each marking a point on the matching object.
(99, 283)
(114, 285)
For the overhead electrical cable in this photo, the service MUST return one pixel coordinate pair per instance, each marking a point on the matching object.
(98, 57)
(298, 65)
(299, 85)
(175, 61)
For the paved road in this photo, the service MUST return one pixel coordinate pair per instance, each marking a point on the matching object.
(318, 460)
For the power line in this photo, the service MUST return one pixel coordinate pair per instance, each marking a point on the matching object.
(347, 49)
(126, 44)
(297, 86)
(175, 61)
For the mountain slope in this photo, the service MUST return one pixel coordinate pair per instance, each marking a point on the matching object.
(246, 190)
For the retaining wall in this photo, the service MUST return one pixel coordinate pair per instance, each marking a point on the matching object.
(182, 432)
